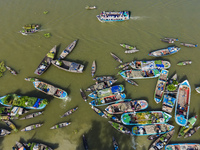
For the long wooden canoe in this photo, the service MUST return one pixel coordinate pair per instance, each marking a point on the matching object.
(93, 68)
(183, 146)
(32, 127)
(61, 125)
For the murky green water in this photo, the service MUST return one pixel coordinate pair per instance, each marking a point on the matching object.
(68, 20)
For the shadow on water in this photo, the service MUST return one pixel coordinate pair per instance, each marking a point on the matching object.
(183, 78)
(99, 132)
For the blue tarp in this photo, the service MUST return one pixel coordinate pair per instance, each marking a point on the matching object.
(37, 103)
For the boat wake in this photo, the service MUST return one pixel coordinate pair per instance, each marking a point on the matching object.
(133, 142)
(138, 17)
(64, 102)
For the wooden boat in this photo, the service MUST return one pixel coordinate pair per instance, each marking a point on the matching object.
(160, 86)
(107, 92)
(127, 105)
(131, 81)
(108, 100)
(162, 141)
(18, 146)
(169, 98)
(32, 127)
(140, 74)
(150, 64)
(50, 90)
(116, 58)
(127, 46)
(99, 112)
(183, 63)
(182, 104)
(120, 127)
(103, 78)
(101, 85)
(61, 125)
(189, 45)
(46, 62)
(152, 129)
(183, 146)
(189, 126)
(17, 111)
(10, 125)
(68, 50)
(107, 16)
(29, 29)
(31, 79)
(4, 132)
(90, 7)
(153, 137)
(11, 70)
(147, 117)
(164, 51)
(69, 112)
(37, 146)
(112, 117)
(83, 95)
(115, 144)
(169, 40)
(93, 68)
(191, 132)
(5, 117)
(68, 66)
(197, 89)
(28, 102)
(85, 143)
(131, 51)
(32, 115)
(123, 65)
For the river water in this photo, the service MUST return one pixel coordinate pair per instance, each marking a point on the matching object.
(68, 20)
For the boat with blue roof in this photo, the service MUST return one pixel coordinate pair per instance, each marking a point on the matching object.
(150, 64)
(50, 90)
(108, 100)
(140, 74)
(165, 51)
(146, 117)
(107, 92)
(160, 86)
(152, 129)
(182, 104)
(108, 16)
(23, 101)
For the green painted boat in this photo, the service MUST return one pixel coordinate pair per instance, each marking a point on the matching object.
(183, 63)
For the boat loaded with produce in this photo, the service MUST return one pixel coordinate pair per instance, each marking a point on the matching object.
(61, 125)
(160, 86)
(146, 117)
(107, 16)
(183, 63)
(151, 129)
(32, 127)
(32, 115)
(29, 29)
(23, 101)
(127, 105)
(120, 128)
(46, 62)
(150, 64)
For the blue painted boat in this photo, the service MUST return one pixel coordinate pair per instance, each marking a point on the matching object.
(50, 90)
(99, 112)
(183, 146)
(107, 92)
(108, 100)
(160, 86)
(165, 51)
(146, 117)
(152, 129)
(169, 101)
(29, 102)
(182, 104)
(140, 74)
(107, 16)
(150, 64)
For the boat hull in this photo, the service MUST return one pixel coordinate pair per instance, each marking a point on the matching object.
(164, 52)
(183, 146)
